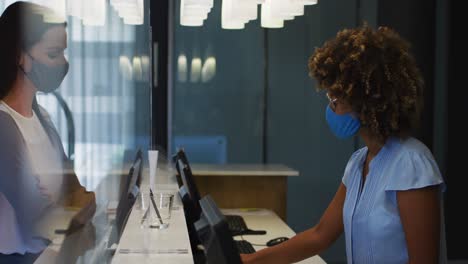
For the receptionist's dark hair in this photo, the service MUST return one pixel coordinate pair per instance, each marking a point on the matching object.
(22, 25)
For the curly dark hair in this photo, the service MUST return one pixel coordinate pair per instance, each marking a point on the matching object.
(375, 73)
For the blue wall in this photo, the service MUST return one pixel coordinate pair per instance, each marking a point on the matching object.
(297, 133)
(231, 104)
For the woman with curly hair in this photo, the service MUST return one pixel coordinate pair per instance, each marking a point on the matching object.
(389, 201)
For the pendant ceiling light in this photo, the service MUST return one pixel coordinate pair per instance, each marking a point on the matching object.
(131, 11)
(231, 17)
(194, 12)
(306, 2)
(236, 13)
(268, 19)
(280, 10)
(94, 12)
(91, 12)
(75, 8)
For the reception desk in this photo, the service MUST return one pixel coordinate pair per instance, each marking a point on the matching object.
(141, 245)
(246, 185)
(146, 245)
(263, 219)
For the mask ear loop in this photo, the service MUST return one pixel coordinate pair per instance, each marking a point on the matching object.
(22, 68)
(332, 102)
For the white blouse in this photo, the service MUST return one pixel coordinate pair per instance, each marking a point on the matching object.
(46, 163)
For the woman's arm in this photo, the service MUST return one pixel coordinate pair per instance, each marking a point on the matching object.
(77, 196)
(73, 193)
(14, 169)
(420, 216)
(308, 243)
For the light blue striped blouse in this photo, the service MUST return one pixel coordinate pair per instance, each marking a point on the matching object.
(373, 230)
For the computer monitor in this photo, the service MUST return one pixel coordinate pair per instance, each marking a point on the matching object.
(126, 179)
(186, 172)
(188, 188)
(190, 197)
(214, 234)
(128, 196)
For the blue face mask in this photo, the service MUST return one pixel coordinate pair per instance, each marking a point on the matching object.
(343, 126)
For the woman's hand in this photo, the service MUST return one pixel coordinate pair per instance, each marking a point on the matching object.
(86, 201)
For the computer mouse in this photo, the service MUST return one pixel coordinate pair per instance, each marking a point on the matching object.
(276, 241)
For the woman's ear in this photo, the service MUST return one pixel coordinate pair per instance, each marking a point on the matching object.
(25, 62)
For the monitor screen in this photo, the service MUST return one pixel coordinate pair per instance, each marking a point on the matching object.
(127, 179)
(135, 179)
(214, 234)
(187, 176)
(188, 183)
(138, 165)
(127, 199)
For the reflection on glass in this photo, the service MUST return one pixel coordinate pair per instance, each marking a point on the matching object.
(145, 64)
(195, 70)
(137, 69)
(182, 68)
(209, 69)
(36, 179)
(126, 67)
(107, 92)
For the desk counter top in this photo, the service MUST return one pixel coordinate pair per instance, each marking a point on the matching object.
(243, 170)
(263, 219)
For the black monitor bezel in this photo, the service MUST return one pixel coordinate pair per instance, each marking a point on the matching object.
(217, 240)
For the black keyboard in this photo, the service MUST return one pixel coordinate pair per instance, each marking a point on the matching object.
(244, 247)
(236, 224)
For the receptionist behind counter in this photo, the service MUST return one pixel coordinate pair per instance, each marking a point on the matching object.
(388, 203)
(34, 175)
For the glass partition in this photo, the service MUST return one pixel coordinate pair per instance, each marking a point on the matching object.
(101, 110)
(107, 90)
